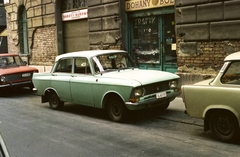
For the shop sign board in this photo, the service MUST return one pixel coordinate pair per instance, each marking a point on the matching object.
(75, 15)
(133, 5)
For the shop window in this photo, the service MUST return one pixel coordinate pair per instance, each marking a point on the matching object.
(73, 4)
(23, 30)
(145, 40)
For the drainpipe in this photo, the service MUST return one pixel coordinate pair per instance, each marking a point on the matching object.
(59, 26)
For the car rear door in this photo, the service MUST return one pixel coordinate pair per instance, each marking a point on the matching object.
(81, 82)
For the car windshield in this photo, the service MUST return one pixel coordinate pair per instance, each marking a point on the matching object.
(111, 62)
(10, 61)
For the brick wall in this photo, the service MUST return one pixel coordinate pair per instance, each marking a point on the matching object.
(44, 48)
(207, 31)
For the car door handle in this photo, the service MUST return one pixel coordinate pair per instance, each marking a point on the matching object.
(54, 74)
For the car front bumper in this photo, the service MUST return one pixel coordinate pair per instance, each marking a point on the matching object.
(16, 84)
(152, 102)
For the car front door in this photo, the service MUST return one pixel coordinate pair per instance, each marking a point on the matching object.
(81, 82)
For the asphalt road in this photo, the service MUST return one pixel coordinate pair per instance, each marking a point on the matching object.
(32, 129)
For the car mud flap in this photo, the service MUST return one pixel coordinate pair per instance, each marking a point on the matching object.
(44, 99)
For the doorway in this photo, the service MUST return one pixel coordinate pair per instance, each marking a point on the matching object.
(153, 42)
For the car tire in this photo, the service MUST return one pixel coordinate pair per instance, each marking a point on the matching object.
(54, 101)
(117, 111)
(224, 126)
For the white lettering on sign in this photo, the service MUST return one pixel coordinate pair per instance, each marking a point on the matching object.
(145, 21)
(75, 15)
(133, 5)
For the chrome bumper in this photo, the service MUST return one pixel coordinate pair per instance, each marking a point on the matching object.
(16, 84)
(151, 102)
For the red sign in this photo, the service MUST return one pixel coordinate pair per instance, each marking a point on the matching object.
(75, 15)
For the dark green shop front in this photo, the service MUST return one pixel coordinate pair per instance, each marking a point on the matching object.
(152, 39)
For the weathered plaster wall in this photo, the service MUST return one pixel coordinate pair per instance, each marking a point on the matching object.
(104, 24)
(41, 21)
(207, 32)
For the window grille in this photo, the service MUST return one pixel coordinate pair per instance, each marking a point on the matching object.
(73, 4)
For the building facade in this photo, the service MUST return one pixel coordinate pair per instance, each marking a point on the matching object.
(190, 38)
(39, 30)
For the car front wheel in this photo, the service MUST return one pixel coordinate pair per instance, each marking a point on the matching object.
(224, 126)
(54, 101)
(116, 110)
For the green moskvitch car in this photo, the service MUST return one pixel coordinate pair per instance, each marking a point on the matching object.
(106, 79)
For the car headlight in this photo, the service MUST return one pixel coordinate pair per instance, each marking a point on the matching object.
(173, 84)
(137, 93)
(3, 79)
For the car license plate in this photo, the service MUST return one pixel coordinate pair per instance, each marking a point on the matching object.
(161, 95)
(26, 75)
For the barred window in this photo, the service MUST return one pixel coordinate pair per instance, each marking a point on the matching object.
(73, 4)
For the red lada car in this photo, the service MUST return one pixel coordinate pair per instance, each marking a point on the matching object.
(14, 72)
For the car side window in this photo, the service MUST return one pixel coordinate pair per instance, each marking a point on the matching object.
(81, 66)
(232, 74)
(64, 65)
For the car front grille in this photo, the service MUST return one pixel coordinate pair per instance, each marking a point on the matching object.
(18, 77)
(156, 87)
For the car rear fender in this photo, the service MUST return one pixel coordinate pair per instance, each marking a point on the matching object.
(45, 96)
(213, 108)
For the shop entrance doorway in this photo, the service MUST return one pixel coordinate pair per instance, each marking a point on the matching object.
(154, 42)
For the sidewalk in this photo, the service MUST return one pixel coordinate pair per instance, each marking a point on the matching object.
(175, 112)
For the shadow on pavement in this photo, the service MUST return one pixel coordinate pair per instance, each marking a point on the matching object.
(134, 116)
(15, 92)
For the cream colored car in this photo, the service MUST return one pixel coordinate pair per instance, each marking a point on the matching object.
(217, 101)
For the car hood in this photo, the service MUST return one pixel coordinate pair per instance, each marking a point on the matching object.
(20, 69)
(141, 76)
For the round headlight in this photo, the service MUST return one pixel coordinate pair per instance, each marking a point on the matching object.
(3, 78)
(139, 92)
(173, 84)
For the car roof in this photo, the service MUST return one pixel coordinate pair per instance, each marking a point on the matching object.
(233, 56)
(7, 54)
(88, 53)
